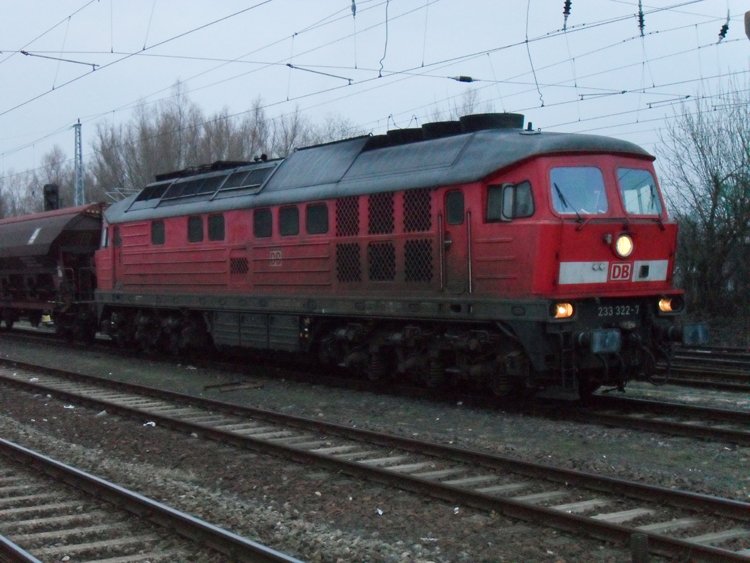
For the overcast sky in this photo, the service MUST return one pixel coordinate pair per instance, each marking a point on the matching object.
(391, 65)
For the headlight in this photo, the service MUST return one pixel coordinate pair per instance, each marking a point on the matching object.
(562, 310)
(665, 305)
(673, 304)
(624, 246)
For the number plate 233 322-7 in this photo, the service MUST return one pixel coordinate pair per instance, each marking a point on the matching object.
(617, 310)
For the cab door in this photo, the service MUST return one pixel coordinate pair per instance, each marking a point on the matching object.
(455, 243)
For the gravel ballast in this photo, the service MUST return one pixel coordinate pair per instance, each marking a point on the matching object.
(321, 516)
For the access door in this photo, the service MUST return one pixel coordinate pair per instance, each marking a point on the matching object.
(456, 248)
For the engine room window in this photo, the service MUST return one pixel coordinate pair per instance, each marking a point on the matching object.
(195, 229)
(317, 219)
(638, 191)
(578, 190)
(262, 223)
(454, 208)
(288, 221)
(520, 201)
(215, 227)
(157, 232)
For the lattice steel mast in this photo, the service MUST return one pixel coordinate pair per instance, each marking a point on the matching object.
(78, 195)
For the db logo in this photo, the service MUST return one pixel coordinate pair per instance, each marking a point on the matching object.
(620, 271)
(275, 258)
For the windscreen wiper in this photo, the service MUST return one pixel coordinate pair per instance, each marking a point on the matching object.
(565, 202)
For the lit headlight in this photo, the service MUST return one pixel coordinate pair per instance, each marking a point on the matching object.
(624, 246)
(665, 305)
(672, 304)
(562, 310)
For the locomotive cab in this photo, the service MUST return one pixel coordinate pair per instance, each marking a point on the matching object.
(603, 253)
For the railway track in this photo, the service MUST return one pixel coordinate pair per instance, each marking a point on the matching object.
(670, 418)
(50, 511)
(664, 417)
(710, 368)
(672, 523)
(726, 369)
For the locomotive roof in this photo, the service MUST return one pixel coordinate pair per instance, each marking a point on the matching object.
(33, 235)
(358, 166)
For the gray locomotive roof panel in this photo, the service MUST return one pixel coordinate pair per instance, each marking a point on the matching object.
(34, 235)
(315, 166)
(349, 168)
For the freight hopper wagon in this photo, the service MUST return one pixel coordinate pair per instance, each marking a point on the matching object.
(47, 266)
(473, 252)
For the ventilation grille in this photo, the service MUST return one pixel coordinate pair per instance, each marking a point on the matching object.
(418, 260)
(380, 215)
(347, 217)
(348, 268)
(381, 261)
(238, 266)
(417, 211)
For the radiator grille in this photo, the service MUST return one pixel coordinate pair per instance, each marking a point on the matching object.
(348, 267)
(381, 260)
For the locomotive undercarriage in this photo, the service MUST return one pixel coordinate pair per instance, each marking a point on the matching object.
(507, 360)
(429, 354)
(173, 332)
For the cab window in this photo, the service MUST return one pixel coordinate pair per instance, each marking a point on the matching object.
(638, 191)
(578, 190)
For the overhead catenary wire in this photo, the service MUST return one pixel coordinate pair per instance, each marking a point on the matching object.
(383, 71)
(129, 55)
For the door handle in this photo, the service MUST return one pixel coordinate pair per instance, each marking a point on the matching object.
(447, 241)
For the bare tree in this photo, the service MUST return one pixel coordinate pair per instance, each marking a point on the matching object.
(290, 131)
(705, 153)
(166, 136)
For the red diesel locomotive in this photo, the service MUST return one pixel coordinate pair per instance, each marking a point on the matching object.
(474, 252)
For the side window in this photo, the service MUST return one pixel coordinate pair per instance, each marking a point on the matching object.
(509, 201)
(195, 228)
(317, 219)
(262, 223)
(157, 232)
(289, 221)
(454, 207)
(523, 203)
(216, 227)
(494, 203)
